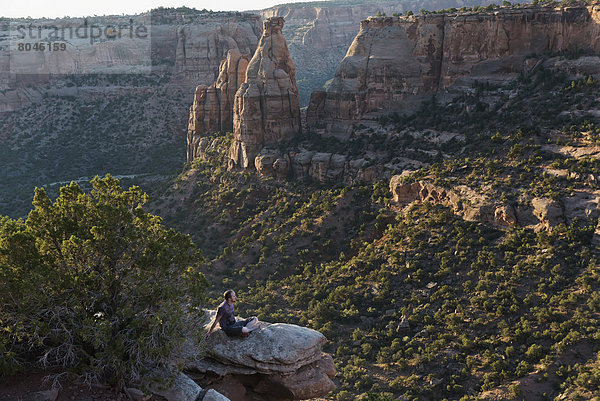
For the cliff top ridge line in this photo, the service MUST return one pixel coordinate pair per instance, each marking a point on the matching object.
(537, 12)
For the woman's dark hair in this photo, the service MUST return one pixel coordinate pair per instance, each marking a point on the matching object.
(227, 294)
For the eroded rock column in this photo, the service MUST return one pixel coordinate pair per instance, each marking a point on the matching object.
(212, 110)
(266, 108)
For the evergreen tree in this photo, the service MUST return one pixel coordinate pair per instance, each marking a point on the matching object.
(94, 284)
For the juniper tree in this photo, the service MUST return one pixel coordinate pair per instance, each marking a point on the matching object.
(95, 285)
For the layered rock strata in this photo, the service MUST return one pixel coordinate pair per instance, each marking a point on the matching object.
(186, 48)
(277, 362)
(318, 35)
(395, 63)
(266, 109)
(212, 110)
(320, 167)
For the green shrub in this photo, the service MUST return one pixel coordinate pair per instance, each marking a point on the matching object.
(94, 284)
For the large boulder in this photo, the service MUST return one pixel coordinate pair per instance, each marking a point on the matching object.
(548, 211)
(212, 395)
(181, 389)
(310, 381)
(275, 348)
(276, 362)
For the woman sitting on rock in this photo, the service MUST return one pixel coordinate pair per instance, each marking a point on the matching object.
(226, 318)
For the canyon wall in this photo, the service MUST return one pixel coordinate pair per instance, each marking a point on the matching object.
(203, 44)
(395, 63)
(186, 48)
(318, 35)
(266, 109)
(87, 120)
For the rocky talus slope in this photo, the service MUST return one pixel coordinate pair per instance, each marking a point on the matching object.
(266, 108)
(394, 64)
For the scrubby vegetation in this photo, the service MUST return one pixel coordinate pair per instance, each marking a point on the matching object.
(64, 138)
(417, 302)
(95, 286)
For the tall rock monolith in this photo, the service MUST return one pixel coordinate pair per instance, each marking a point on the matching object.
(266, 108)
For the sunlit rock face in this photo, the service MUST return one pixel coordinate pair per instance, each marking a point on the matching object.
(266, 109)
(394, 64)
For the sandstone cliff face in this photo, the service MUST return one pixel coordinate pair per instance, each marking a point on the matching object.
(395, 63)
(266, 108)
(320, 167)
(185, 49)
(319, 36)
(201, 46)
(212, 110)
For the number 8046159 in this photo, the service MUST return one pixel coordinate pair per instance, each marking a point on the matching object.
(42, 46)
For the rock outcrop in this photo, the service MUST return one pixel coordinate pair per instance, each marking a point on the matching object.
(462, 200)
(212, 110)
(536, 213)
(181, 388)
(548, 212)
(395, 63)
(266, 108)
(276, 362)
(320, 167)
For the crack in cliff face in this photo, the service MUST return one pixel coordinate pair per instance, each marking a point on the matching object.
(183, 46)
(358, 99)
